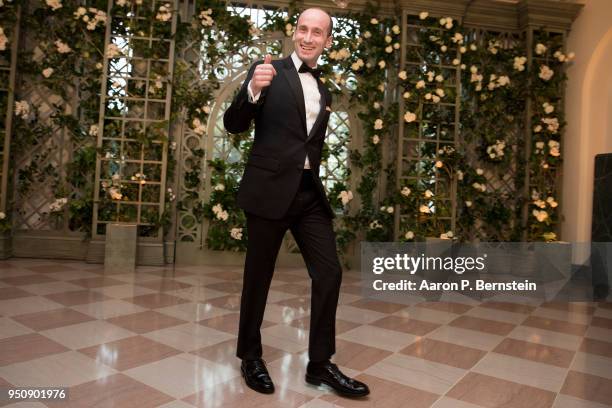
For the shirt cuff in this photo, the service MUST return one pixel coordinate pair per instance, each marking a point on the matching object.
(252, 98)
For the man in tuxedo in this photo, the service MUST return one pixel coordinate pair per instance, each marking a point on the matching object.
(281, 190)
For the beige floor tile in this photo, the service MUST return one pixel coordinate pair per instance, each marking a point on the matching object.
(225, 353)
(98, 282)
(555, 325)
(546, 337)
(378, 306)
(482, 325)
(556, 356)
(444, 353)
(188, 337)
(357, 356)
(155, 300)
(87, 334)
(283, 314)
(387, 394)
(27, 279)
(235, 394)
(452, 307)
(11, 328)
(176, 404)
(599, 333)
(70, 275)
(588, 387)
(446, 402)
(115, 391)
(145, 322)
(187, 374)
(406, 325)
(193, 312)
(42, 289)
(601, 348)
(277, 296)
(51, 319)
(27, 347)
(571, 317)
(286, 338)
(198, 294)
(129, 353)
(354, 314)
(466, 338)
(521, 371)
(592, 364)
(509, 307)
(491, 392)
(418, 373)
(57, 370)
(76, 297)
(123, 291)
(496, 315)
(427, 315)
(378, 338)
(108, 308)
(14, 292)
(19, 306)
(567, 401)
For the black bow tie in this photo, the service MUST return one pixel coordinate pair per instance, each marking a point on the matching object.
(315, 72)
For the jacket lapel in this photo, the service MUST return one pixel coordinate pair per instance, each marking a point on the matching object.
(292, 77)
(323, 104)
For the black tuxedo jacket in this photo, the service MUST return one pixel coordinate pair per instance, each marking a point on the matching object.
(274, 168)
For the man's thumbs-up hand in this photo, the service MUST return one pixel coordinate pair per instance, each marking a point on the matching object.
(263, 75)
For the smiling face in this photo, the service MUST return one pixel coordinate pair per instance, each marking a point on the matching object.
(312, 35)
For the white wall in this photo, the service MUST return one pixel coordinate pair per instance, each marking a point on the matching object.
(588, 112)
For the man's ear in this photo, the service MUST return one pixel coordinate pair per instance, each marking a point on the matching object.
(328, 42)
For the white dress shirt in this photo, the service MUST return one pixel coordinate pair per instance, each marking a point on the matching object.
(312, 97)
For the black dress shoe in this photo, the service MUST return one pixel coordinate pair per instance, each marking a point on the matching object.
(256, 376)
(329, 374)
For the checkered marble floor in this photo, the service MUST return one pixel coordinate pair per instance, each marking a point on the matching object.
(165, 337)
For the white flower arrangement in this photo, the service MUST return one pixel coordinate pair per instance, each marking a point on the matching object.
(428, 194)
(420, 84)
(47, 72)
(198, 127)
(423, 15)
(551, 202)
(367, 34)
(552, 124)
(375, 225)
(378, 124)
(374, 21)
(93, 130)
(171, 195)
(219, 187)
(345, 196)
(22, 109)
(519, 63)
(375, 139)
(446, 22)
(357, 65)
(62, 47)
(540, 48)
(457, 38)
(112, 51)
(468, 203)
(382, 64)
(3, 39)
(54, 4)
(405, 191)
(494, 46)
(496, 151)
(2, 215)
(402, 75)
(409, 117)
(446, 235)
(554, 148)
(140, 178)
(206, 18)
(407, 95)
(548, 108)
(545, 72)
(236, 233)
(423, 209)
(409, 235)
(164, 13)
(540, 215)
(58, 204)
(395, 29)
(220, 213)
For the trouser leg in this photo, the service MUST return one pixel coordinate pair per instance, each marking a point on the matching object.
(313, 232)
(265, 238)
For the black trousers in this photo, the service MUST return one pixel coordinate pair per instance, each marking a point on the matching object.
(312, 228)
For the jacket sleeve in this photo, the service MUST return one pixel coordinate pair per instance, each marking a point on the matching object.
(238, 116)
